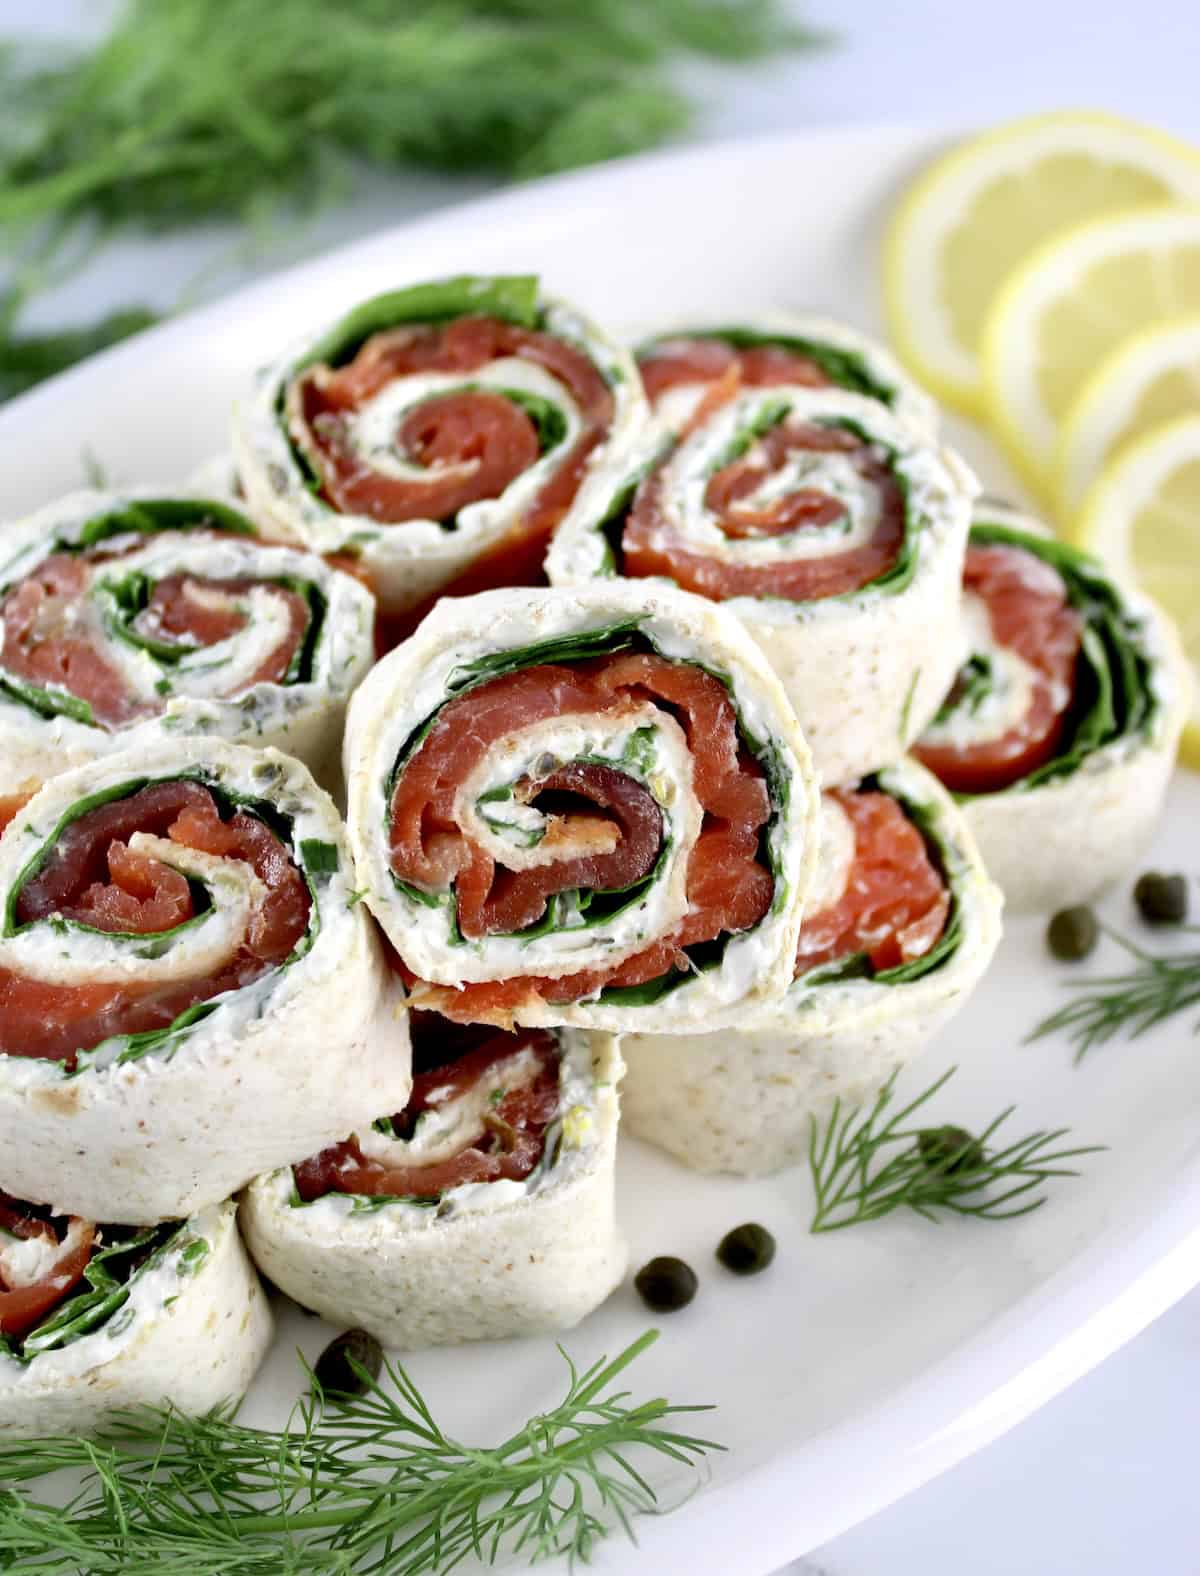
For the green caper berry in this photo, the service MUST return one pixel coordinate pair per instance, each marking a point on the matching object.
(1162, 899)
(746, 1250)
(1072, 933)
(334, 1370)
(949, 1149)
(666, 1284)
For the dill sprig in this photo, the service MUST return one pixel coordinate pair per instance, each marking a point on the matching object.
(1158, 986)
(353, 1485)
(864, 1167)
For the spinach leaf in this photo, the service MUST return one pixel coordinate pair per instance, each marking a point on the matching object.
(105, 1287)
(511, 297)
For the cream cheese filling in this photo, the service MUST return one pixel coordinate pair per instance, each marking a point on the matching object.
(1002, 704)
(27, 1261)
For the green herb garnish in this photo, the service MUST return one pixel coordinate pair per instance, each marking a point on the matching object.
(1157, 987)
(205, 110)
(864, 1167)
(368, 1483)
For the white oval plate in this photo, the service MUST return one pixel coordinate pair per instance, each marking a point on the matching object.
(864, 1362)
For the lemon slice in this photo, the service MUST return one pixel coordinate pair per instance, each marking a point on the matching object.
(1147, 381)
(1142, 516)
(1071, 305)
(979, 211)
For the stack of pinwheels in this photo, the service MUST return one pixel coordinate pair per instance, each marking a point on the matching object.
(518, 734)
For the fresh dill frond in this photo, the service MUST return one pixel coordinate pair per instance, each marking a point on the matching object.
(1158, 986)
(208, 110)
(866, 1164)
(203, 108)
(354, 1485)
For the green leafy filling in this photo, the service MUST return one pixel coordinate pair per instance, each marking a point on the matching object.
(318, 860)
(48, 700)
(130, 596)
(513, 298)
(975, 682)
(106, 1285)
(1114, 685)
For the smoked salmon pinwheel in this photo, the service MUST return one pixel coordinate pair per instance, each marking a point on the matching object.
(1059, 733)
(900, 924)
(98, 1319)
(582, 807)
(124, 619)
(189, 991)
(831, 528)
(482, 1209)
(439, 434)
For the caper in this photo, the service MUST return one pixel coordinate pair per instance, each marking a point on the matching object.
(746, 1250)
(666, 1284)
(1072, 933)
(1162, 899)
(335, 1371)
(949, 1149)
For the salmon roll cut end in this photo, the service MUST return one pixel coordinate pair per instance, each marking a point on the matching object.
(900, 925)
(98, 1319)
(125, 619)
(586, 807)
(1058, 735)
(483, 1209)
(189, 991)
(438, 434)
(830, 527)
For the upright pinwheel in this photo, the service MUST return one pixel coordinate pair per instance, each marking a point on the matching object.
(589, 808)
(1059, 733)
(188, 994)
(790, 481)
(439, 434)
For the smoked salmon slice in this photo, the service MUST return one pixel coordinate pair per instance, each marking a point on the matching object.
(504, 1142)
(895, 902)
(26, 1304)
(1028, 611)
(729, 887)
(94, 878)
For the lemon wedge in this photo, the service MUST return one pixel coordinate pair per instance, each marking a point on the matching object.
(977, 213)
(1071, 305)
(1142, 515)
(1148, 380)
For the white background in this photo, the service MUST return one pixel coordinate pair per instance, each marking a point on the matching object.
(1102, 1481)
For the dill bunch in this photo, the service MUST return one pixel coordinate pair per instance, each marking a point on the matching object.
(191, 111)
(354, 1485)
(196, 109)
